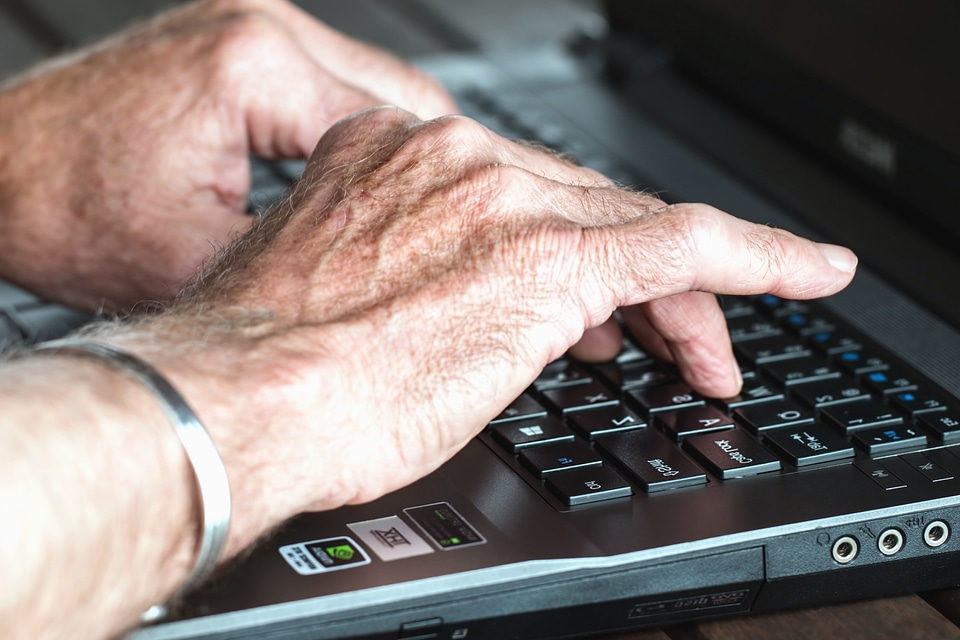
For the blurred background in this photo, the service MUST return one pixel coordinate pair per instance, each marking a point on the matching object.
(33, 29)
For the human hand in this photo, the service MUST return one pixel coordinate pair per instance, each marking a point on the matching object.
(126, 164)
(418, 278)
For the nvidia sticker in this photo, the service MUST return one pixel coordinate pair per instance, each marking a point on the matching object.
(329, 554)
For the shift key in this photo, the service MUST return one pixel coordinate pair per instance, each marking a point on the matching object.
(651, 460)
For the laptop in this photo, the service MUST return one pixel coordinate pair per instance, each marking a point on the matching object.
(610, 498)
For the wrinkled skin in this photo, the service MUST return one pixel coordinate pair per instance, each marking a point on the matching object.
(124, 166)
(419, 278)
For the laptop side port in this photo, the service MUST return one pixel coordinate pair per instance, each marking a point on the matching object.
(845, 549)
(890, 541)
(936, 533)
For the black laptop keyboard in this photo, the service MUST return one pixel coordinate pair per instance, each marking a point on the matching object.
(814, 393)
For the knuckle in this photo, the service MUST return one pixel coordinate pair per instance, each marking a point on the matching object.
(245, 38)
(457, 133)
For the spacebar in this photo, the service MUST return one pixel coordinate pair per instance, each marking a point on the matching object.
(651, 460)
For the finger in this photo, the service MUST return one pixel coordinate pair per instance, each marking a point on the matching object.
(643, 332)
(288, 112)
(695, 247)
(692, 327)
(394, 81)
(599, 344)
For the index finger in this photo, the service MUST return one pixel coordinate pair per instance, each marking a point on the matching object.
(695, 247)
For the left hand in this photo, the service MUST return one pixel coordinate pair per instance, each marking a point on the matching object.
(124, 166)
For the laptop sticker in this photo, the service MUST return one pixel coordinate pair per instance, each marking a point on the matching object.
(320, 556)
(390, 538)
(445, 526)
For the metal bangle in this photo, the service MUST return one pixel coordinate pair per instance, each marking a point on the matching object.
(208, 469)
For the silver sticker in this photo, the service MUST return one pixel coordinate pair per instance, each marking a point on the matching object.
(390, 538)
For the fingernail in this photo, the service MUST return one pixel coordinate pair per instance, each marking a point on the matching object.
(737, 376)
(839, 257)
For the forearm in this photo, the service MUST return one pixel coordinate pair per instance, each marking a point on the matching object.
(96, 500)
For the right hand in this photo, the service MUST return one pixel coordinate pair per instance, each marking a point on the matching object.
(417, 280)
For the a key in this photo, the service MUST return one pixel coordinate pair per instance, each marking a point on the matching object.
(688, 422)
(592, 484)
(666, 397)
(773, 415)
(520, 434)
(580, 397)
(882, 440)
(732, 454)
(849, 417)
(809, 444)
(523, 408)
(652, 461)
(604, 421)
(552, 458)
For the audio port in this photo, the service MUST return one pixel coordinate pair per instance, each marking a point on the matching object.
(845, 549)
(890, 542)
(936, 533)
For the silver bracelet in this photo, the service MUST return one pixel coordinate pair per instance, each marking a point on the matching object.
(211, 476)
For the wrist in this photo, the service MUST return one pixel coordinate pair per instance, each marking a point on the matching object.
(258, 395)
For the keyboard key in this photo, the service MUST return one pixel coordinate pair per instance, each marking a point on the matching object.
(810, 444)
(944, 425)
(579, 397)
(853, 416)
(826, 392)
(800, 371)
(631, 353)
(47, 321)
(13, 296)
(882, 440)
(688, 422)
(668, 397)
(586, 485)
(930, 469)
(736, 307)
(751, 327)
(914, 402)
(552, 458)
(859, 362)
(521, 434)
(604, 421)
(833, 342)
(806, 324)
(889, 381)
(523, 408)
(635, 375)
(771, 349)
(885, 478)
(773, 415)
(652, 461)
(9, 332)
(755, 390)
(562, 373)
(780, 306)
(732, 454)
